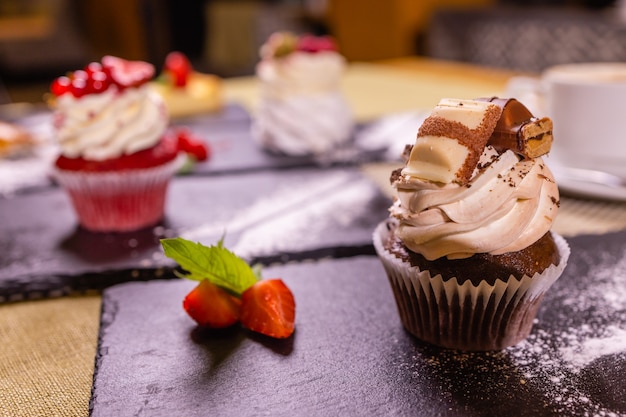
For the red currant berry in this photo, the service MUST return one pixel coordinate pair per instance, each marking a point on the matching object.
(192, 145)
(98, 82)
(60, 86)
(78, 88)
(80, 74)
(178, 67)
(314, 44)
(326, 43)
(307, 43)
(200, 151)
(93, 67)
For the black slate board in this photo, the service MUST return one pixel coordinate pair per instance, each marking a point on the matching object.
(350, 355)
(270, 216)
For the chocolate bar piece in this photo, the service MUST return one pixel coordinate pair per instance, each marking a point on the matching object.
(519, 131)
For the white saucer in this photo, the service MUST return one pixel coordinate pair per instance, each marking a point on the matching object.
(581, 183)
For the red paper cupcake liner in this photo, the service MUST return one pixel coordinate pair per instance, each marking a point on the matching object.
(118, 201)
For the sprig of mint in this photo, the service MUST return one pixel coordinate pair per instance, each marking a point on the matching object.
(215, 263)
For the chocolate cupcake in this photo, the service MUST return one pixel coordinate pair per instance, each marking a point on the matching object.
(468, 248)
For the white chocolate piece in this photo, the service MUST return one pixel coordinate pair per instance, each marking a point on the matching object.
(436, 158)
(467, 112)
(450, 141)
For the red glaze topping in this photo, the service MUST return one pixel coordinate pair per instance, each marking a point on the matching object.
(165, 151)
(173, 142)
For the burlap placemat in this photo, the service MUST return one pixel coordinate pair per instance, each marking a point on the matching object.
(47, 356)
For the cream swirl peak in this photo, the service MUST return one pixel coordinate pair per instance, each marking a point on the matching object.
(109, 124)
(301, 73)
(451, 203)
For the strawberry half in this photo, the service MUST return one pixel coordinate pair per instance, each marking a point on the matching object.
(210, 306)
(127, 73)
(268, 307)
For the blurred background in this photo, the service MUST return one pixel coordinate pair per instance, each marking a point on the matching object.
(42, 39)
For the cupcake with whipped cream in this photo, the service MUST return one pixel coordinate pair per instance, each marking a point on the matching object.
(117, 156)
(468, 248)
(301, 109)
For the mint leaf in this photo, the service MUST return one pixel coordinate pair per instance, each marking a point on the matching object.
(215, 263)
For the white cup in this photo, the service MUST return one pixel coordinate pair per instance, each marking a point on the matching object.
(587, 104)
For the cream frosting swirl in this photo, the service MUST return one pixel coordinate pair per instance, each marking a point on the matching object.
(301, 73)
(508, 205)
(110, 124)
(303, 125)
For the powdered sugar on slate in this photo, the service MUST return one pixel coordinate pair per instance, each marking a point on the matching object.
(578, 356)
(330, 209)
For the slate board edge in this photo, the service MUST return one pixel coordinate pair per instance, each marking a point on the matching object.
(33, 287)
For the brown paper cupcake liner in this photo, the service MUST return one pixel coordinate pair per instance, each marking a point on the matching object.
(443, 312)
